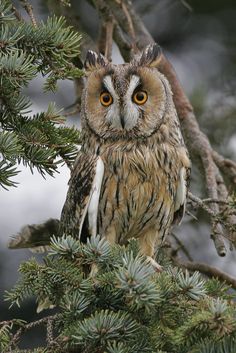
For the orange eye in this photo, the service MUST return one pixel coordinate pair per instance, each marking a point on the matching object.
(106, 99)
(140, 97)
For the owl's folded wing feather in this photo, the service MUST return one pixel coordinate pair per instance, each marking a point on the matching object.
(181, 195)
(79, 214)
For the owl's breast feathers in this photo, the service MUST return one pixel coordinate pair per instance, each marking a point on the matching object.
(139, 188)
(143, 188)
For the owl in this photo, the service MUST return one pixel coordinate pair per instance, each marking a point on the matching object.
(130, 177)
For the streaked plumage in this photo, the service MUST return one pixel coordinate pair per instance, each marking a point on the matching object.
(130, 177)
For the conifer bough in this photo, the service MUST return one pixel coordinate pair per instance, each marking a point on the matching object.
(40, 140)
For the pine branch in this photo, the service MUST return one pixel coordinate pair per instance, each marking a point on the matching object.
(29, 9)
(26, 50)
(125, 304)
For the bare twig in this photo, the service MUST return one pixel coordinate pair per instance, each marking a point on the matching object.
(122, 41)
(230, 214)
(191, 215)
(106, 28)
(29, 9)
(226, 165)
(50, 331)
(106, 38)
(225, 215)
(221, 202)
(109, 38)
(17, 14)
(202, 204)
(102, 38)
(182, 247)
(208, 270)
(29, 326)
(129, 21)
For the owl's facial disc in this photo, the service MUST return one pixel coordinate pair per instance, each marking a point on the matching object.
(125, 101)
(123, 112)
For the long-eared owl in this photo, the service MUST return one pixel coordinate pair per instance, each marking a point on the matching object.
(130, 176)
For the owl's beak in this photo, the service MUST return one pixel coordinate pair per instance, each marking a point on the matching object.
(122, 121)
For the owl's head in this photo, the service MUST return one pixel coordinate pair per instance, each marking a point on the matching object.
(125, 101)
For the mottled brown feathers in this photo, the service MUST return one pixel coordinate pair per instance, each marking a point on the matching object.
(94, 61)
(146, 164)
(78, 195)
(151, 56)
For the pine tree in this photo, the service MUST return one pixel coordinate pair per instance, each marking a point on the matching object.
(41, 140)
(125, 306)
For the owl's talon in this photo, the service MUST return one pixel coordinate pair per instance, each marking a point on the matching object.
(155, 265)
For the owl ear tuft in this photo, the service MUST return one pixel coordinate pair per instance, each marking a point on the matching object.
(94, 61)
(151, 56)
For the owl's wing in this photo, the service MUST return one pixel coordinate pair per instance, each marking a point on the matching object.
(181, 195)
(79, 213)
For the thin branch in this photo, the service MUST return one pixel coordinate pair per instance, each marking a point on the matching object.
(29, 326)
(208, 270)
(106, 30)
(106, 39)
(17, 14)
(29, 9)
(109, 38)
(221, 202)
(129, 21)
(225, 216)
(201, 204)
(102, 38)
(230, 215)
(50, 338)
(191, 215)
(122, 41)
(181, 246)
(121, 13)
(226, 165)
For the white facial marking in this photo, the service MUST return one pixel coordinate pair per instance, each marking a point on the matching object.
(109, 86)
(131, 110)
(113, 111)
(134, 82)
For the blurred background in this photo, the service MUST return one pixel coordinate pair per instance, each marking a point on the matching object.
(199, 38)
